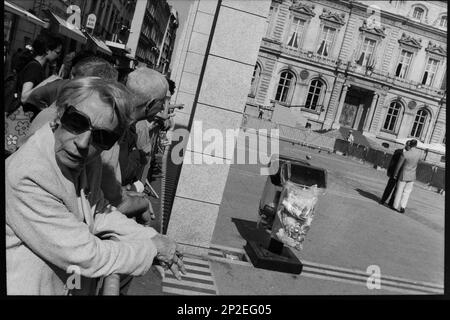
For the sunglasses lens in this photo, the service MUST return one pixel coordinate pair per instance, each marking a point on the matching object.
(78, 123)
(104, 139)
(74, 122)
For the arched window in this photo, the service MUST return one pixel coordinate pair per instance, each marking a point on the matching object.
(392, 116)
(315, 93)
(418, 13)
(443, 22)
(255, 79)
(284, 85)
(419, 123)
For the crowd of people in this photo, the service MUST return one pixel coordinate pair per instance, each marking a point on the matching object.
(74, 181)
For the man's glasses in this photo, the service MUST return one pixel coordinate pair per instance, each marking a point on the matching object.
(77, 122)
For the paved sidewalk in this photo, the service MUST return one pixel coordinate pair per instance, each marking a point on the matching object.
(350, 232)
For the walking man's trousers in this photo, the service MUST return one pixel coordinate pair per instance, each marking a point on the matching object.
(404, 189)
(389, 191)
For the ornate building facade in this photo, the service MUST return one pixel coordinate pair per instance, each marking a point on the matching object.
(378, 67)
(153, 32)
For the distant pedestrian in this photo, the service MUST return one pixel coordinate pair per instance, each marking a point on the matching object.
(390, 189)
(261, 113)
(350, 137)
(405, 171)
(350, 142)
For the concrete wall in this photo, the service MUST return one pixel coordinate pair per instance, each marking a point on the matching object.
(213, 75)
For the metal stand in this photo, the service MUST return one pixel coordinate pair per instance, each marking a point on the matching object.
(275, 257)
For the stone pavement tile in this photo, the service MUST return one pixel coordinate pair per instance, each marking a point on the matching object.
(147, 285)
(233, 279)
(350, 228)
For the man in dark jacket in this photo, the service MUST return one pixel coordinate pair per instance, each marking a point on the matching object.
(392, 182)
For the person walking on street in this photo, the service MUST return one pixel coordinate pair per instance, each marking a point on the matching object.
(350, 142)
(389, 191)
(405, 172)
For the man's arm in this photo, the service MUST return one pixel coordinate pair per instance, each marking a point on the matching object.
(399, 166)
(50, 230)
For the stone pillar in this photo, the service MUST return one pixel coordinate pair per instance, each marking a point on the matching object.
(224, 40)
(336, 124)
(373, 106)
(406, 125)
(358, 116)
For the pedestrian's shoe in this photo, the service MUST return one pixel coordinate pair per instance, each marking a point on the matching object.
(381, 202)
(402, 210)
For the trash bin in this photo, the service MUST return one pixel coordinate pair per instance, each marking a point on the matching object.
(302, 185)
(288, 217)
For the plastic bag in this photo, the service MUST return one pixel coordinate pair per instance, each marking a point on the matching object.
(294, 214)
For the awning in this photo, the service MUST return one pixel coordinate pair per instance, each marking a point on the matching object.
(66, 29)
(118, 47)
(25, 14)
(100, 44)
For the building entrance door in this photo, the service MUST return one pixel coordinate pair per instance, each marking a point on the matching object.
(348, 115)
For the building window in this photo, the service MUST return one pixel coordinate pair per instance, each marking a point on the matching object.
(314, 94)
(419, 123)
(368, 48)
(152, 10)
(396, 4)
(403, 64)
(443, 22)
(326, 41)
(271, 19)
(418, 13)
(392, 116)
(255, 79)
(284, 86)
(444, 81)
(295, 33)
(430, 72)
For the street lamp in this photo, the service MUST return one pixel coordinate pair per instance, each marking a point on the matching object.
(173, 14)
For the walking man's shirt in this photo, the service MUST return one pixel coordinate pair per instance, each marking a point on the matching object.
(405, 172)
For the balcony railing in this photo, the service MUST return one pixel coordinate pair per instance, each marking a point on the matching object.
(352, 67)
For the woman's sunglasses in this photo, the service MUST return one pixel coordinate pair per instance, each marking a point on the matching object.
(77, 122)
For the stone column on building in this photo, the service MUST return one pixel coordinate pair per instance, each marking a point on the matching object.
(373, 106)
(405, 125)
(224, 40)
(439, 126)
(336, 124)
(429, 129)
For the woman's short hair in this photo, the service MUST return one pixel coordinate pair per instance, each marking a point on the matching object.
(111, 92)
(94, 66)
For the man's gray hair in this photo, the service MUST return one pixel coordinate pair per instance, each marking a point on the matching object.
(146, 85)
(95, 67)
(111, 92)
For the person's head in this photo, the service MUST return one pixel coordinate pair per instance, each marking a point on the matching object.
(47, 47)
(149, 88)
(412, 143)
(92, 114)
(95, 67)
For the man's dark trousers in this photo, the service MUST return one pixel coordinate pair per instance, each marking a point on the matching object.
(389, 191)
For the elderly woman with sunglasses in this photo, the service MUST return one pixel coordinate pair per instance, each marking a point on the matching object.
(58, 225)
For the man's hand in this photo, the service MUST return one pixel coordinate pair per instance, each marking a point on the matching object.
(168, 257)
(137, 205)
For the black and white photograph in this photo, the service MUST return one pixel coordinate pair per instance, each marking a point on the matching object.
(230, 148)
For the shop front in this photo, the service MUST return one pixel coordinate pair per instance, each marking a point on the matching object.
(19, 29)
